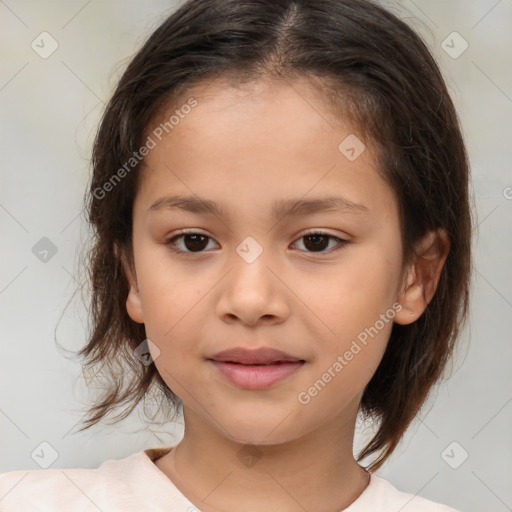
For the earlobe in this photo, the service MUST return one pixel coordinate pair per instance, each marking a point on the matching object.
(133, 300)
(423, 276)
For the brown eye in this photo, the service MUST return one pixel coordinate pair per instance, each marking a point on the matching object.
(191, 242)
(319, 242)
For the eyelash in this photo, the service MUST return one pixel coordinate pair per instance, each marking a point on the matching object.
(341, 242)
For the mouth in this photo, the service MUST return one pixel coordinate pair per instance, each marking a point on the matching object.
(256, 369)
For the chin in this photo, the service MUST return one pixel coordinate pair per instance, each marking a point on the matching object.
(263, 431)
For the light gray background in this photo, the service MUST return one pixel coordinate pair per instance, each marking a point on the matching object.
(49, 111)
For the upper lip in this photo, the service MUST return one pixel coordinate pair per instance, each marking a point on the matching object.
(256, 356)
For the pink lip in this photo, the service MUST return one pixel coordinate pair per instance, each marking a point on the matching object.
(256, 376)
(255, 369)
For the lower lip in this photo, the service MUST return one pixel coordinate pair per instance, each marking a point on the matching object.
(257, 376)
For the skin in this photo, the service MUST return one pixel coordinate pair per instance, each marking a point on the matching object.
(246, 147)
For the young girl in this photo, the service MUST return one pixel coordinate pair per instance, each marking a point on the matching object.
(282, 241)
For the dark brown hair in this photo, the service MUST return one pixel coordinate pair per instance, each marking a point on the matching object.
(376, 68)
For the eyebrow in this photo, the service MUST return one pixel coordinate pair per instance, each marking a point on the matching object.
(281, 208)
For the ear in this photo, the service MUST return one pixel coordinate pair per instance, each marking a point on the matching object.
(133, 300)
(422, 276)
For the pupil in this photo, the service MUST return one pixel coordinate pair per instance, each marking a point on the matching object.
(317, 243)
(196, 244)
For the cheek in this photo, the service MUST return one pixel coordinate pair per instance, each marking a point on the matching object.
(350, 296)
(342, 371)
(356, 310)
(168, 295)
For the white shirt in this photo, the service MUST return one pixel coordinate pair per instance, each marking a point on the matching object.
(135, 484)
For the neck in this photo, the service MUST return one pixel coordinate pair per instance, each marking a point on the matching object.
(315, 472)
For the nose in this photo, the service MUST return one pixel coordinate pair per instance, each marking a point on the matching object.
(254, 293)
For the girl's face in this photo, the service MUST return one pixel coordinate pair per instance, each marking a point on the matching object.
(248, 276)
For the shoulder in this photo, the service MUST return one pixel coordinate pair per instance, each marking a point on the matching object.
(76, 489)
(382, 495)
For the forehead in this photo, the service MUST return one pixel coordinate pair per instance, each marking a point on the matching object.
(265, 138)
(276, 121)
(275, 100)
